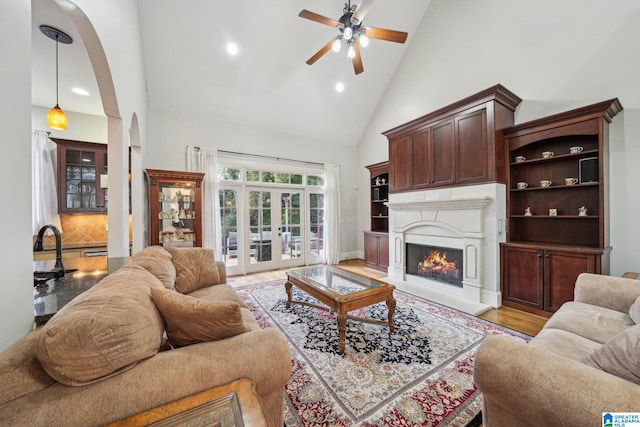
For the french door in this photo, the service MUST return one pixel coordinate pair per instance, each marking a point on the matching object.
(275, 224)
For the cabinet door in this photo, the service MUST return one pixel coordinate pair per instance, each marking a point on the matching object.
(79, 168)
(442, 154)
(383, 250)
(471, 137)
(561, 271)
(371, 249)
(421, 159)
(522, 276)
(400, 153)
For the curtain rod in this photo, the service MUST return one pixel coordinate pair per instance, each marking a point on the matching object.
(267, 157)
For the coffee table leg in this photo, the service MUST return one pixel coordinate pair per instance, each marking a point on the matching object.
(287, 287)
(391, 304)
(342, 329)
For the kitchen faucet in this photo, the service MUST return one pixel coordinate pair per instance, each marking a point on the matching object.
(58, 270)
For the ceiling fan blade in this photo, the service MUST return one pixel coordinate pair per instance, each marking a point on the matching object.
(357, 60)
(318, 18)
(324, 49)
(361, 11)
(388, 35)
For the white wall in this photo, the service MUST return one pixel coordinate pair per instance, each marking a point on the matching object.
(170, 133)
(555, 55)
(16, 283)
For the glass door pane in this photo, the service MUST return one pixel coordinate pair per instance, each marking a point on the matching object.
(261, 238)
(231, 244)
(291, 227)
(316, 228)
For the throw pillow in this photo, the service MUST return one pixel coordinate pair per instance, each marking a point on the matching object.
(620, 356)
(103, 331)
(634, 311)
(195, 268)
(157, 260)
(191, 320)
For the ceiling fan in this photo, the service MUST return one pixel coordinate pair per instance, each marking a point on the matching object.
(352, 32)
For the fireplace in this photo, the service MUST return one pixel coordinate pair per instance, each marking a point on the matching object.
(466, 223)
(437, 263)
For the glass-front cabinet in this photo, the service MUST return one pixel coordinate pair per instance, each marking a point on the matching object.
(175, 208)
(80, 168)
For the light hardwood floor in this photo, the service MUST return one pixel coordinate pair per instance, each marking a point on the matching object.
(521, 321)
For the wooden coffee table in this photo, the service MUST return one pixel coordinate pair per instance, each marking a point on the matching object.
(341, 292)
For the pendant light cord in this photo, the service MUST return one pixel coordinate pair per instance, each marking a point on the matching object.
(57, 37)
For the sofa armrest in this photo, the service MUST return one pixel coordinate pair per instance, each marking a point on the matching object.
(526, 386)
(615, 293)
(222, 271)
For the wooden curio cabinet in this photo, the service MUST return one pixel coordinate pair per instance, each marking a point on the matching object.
(455, 145)
(557, 229)
(376, 241)
(80, 167)
(175, 208)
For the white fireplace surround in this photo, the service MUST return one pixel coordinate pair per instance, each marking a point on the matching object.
(470, 218)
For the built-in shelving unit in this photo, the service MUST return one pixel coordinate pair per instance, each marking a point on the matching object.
(376, 241)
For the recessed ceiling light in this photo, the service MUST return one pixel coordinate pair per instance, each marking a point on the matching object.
(339, 87)
(80, 91)
(232, 49)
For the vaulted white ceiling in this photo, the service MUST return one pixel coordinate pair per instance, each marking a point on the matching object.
(267, 85)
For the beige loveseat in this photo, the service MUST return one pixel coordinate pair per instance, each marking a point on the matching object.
(105, 356)
(585, 361)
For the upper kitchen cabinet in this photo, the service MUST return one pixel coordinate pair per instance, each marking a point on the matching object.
(456, 145)
(80, 165)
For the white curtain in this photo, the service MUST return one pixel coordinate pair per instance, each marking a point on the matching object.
(44, 198)
(332, 214)
(204, 160)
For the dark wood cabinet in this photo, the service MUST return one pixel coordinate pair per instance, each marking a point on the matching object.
(455, 145)
(376, 241)
(175, 208)
(563, 223)
(376, 250)
(80, 167)
(541, 279)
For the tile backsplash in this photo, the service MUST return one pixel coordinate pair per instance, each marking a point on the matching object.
(83, 230)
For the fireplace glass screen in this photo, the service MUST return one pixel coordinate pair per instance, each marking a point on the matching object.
(435, 263)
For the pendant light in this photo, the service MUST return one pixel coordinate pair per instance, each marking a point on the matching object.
(56, 119)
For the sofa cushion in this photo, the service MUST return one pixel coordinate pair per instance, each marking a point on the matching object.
(592, 322)
(104, 330)
(563, 343)
(634, 311)
(157, 260)
(20, 372)
(195, 268)
(190, 320)
(620, 356)
(221, 292)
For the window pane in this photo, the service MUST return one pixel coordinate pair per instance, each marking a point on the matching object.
(253, 176)
(229, 174)
(268, 177)
(296, 179)
(315, 180)
(282, 178)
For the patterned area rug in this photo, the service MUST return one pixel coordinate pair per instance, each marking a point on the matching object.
(419, 375)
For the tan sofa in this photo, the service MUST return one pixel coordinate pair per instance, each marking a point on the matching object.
(585, 361)
(105, 355)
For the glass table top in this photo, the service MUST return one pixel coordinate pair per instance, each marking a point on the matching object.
(334, 279)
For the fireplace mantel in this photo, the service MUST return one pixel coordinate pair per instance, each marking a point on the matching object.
(457, 203)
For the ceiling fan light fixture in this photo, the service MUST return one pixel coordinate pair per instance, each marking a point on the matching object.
(351, 52)
(363, 40)
(347, 33)
(336, 46)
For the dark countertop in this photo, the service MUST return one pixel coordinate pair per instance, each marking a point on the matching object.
(49, 298)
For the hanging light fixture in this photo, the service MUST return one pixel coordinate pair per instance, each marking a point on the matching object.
(56, 119)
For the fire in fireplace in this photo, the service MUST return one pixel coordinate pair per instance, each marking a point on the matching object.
(435, 263)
